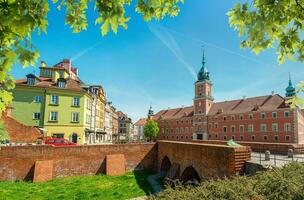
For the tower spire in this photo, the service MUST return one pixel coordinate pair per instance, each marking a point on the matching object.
(203, 74)
(290, 90)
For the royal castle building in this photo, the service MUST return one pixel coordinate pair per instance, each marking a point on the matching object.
(257, 119)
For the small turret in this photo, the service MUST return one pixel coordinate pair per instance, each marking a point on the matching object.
(150, 113)
(290, 90)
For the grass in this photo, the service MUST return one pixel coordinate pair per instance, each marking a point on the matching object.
(133, 184)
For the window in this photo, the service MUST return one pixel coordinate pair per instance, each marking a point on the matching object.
(37, 99)
(224, 129)
(242, 137)
(54, 99)
(215, 125)
(287, 137)
(232, 117)
(88, 104)
(216, 136)
(76, 101)
(276, 138)
(36, 115)
(88, 120)
(241, 117)
(286, 114)
(287, 127)
(274, 115)
(274, 127)
(253, 138)
(250, 128)
(177, 130)
(61, 84)
(75, 117)
(232, 129)
(263, 115)
(250, 116)
(31, 81)
(224, 118)
(225, 137)
(232, 137)
(241, 128)
(54, 116)
(263, 128)
(265, 137)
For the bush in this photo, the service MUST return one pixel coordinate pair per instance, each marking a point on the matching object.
(286, 183)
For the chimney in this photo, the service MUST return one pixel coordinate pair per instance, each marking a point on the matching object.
(244, 97)
(42, 64)
(272, 93)
(67, 64)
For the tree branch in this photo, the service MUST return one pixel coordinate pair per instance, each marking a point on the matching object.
(299, 4)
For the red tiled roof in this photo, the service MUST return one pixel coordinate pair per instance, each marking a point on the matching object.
(141, 122)
(48, 83)
(262, 103)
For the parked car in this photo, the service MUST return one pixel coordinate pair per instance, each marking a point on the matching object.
(59, 142)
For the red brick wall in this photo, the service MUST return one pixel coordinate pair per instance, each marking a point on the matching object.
(19, 132)
(210, 161)
(17, 162)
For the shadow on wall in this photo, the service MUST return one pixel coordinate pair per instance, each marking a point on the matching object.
(146, 168)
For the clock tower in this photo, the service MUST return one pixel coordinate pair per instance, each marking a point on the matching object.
(202, 102)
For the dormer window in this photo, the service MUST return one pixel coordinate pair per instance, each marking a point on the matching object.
(61, 83)
(31, 81)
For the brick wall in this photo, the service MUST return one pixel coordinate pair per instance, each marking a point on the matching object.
(19, 132)
(209, 160)
(18, 162)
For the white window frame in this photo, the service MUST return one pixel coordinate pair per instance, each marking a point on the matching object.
(263, 114)
(275, 125)
(276, 115)
(53, 97)
(264, 129)
(35, 114)
(287, 114)
(250, 128)
(287, 129)
(61, 84)
(31, 81)
(75, 117)
(74, 101)
(37, 99)
(51, 116)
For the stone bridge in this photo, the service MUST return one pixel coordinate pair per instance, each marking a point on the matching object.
(188, 161)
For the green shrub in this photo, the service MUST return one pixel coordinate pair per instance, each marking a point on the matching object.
(286, 183)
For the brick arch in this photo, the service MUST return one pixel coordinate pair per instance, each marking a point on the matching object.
(190, 174)
(165, 164)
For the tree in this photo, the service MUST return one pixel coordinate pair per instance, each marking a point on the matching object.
(19, 19)
(3, 132)
(151, 129)
(266, 24)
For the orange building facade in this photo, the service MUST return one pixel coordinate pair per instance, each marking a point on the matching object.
(256, 119)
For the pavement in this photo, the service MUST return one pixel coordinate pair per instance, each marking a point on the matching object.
(277, 160)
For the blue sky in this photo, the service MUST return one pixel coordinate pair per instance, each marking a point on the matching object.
(156, 62)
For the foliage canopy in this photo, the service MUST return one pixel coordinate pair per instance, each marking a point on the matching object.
(265, 24)
(151, 129)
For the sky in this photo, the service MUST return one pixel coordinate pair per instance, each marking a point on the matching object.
(155, 63)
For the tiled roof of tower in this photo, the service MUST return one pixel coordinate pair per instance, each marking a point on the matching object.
(261, 103)
(141, 122)
(48, 83)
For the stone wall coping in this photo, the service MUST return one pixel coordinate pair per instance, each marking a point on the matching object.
(203, 144)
